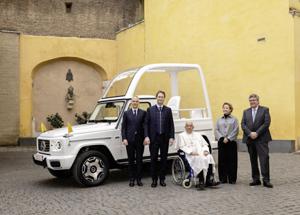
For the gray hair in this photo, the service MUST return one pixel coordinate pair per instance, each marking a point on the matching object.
(135, 97)
(255, 96)
(189, 122)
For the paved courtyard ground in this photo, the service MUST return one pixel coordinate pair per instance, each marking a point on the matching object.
(29, 189)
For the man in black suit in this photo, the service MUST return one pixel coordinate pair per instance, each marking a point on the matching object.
(255, 124)
(159, 133)
(132, 137)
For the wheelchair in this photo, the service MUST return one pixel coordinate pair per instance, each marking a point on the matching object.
(182, 173)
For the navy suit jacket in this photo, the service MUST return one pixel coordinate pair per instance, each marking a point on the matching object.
(260, 125)
(132, 124)
(152, 122)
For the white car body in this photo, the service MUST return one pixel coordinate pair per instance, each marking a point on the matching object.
(57, 149)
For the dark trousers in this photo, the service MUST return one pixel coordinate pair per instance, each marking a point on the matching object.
(227, 161)
(135, 152)
(209, 176)
(161, 144)
(262, 150)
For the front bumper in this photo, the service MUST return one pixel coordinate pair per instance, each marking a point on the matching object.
(38, 162)
(53, 162)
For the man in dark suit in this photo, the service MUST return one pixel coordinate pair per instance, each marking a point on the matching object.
(255, 124)
(159, 133)
(132, 137)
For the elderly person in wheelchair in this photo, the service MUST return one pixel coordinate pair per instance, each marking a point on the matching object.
(194, 151)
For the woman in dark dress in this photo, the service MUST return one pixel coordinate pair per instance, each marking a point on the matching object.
(227, 129)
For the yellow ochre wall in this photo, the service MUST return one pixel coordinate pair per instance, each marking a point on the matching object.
(223, 39)
(296, 4)
(35, 50)
(130, 46)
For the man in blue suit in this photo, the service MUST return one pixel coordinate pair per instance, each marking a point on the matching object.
(132, 137)
(159, 133)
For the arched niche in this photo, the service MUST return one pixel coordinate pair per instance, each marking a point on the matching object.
(50, 88)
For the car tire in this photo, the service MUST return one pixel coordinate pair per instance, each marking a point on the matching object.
(60, 173)
(90, 168)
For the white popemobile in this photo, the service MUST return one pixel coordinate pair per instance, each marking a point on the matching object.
(90, 150)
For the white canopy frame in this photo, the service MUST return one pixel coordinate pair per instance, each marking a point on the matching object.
(173, 69)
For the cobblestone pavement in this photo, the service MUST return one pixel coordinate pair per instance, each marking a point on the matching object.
(29, 189)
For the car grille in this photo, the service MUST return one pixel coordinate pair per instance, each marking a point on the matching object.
(44, 145)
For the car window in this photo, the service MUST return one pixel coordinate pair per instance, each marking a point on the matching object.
(143, 105)
(107, 112)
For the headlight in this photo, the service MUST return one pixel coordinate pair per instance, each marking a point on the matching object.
(56, 145)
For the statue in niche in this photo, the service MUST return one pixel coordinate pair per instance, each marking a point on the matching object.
(70, 98)
(69, 75)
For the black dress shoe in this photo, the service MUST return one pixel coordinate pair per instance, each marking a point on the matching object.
(131, 183)
(223, 181)
(232, 182)
(139, 183)
(200, 186)
(216, 183)
(154, 184)
(212, 184)
(255, 183)
(162, 183)
(268, 184)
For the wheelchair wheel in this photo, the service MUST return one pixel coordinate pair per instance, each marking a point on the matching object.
(178, 171)
(187, 183)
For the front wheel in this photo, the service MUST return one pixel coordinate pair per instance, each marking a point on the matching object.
(187, 183)
(90, 168)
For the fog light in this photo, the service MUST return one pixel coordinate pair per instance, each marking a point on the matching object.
(55, 164)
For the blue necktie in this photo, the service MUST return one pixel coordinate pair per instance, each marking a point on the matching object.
(160, 109)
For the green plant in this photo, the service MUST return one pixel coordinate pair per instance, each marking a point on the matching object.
(82, 118)
(55, 120)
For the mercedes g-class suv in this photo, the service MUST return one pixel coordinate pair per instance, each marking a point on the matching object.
(92, 149)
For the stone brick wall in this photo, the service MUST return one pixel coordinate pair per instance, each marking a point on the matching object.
(9, 88)
(87, 18)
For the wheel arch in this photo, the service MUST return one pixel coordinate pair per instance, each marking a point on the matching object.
(102, 149)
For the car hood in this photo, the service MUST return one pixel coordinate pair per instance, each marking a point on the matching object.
(78, 129)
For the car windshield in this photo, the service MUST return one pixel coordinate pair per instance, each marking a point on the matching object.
(107, 112)
(120, 84)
